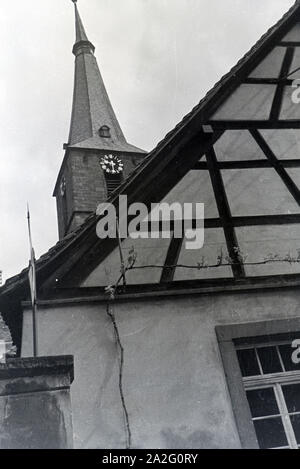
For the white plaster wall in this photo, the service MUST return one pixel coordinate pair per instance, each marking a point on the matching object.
(174, 383)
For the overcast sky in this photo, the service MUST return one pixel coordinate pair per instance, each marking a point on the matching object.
(157, 57)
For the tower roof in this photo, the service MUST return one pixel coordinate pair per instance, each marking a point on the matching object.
(92, 109)
(80, 31)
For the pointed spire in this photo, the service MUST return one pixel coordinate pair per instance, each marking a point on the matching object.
(82, 41)
(80, 31)
(92, 110)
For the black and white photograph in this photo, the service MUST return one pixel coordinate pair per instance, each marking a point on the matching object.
(150, 227)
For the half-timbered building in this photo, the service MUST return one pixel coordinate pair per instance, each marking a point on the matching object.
(176, 347)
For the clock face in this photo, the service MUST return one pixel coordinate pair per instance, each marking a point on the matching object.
(111, 164)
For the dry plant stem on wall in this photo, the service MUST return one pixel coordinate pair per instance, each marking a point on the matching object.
(111, 315)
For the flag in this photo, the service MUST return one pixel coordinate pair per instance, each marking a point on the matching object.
(31, 272)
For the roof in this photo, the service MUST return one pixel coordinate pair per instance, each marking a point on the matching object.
(80, 31)
(187, 128)
(97, 142)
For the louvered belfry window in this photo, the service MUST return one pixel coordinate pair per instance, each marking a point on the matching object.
(113, 181)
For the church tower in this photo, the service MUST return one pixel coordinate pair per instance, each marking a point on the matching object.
(97, 156)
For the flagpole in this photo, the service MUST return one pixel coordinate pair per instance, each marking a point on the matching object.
(32, 281)
(35, 346)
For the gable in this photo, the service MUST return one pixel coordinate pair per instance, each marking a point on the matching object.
(209, 143)
(266, 93)
(262, 211)
(249, 181)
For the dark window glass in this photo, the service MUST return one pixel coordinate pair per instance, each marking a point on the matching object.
(292, 397)
(295, 419)
(286, 352)
(104, 131)
(269, 360)
(262, 402)
(270, 433)
(248, 362)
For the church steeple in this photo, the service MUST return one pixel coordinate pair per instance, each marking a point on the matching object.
(92, 110)
(80, 31)
(95, 133)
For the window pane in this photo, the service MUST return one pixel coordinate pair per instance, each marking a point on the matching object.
(286, 352)
(262, 402)
(295, 419)
(269, 360)
(248, 362)
(270, 433)
(292, 397)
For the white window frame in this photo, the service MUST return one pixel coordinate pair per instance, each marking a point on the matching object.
(276, 383)
(229, 339)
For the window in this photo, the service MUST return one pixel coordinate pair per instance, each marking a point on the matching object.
(272, 383)
(113, 181)
(262, 372)
(104, 131)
